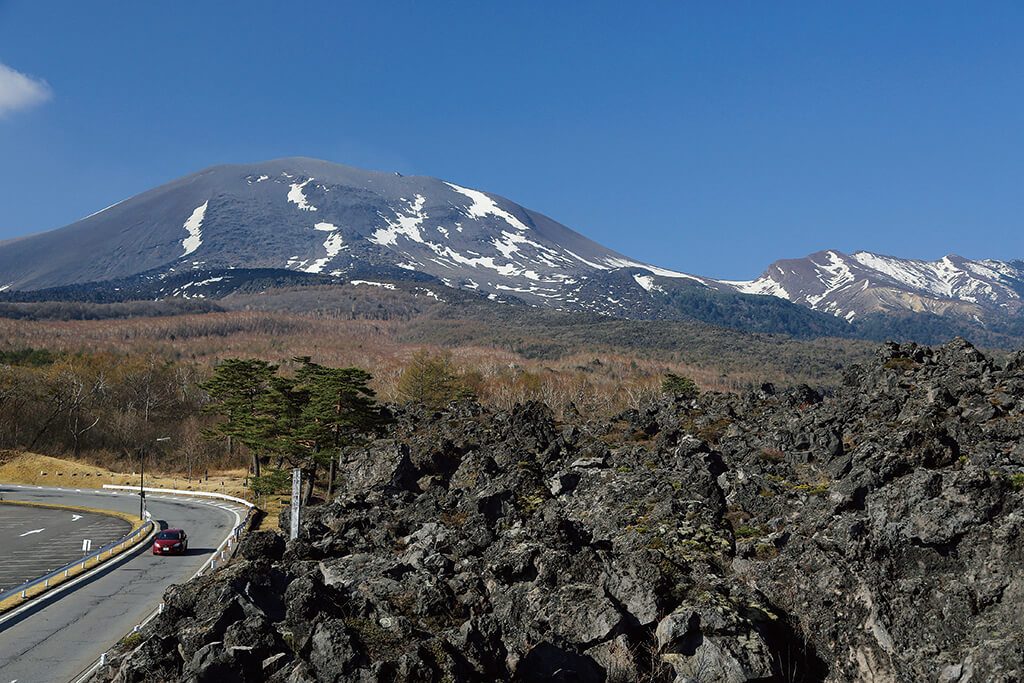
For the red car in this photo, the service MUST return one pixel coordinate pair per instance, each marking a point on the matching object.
(170, 542)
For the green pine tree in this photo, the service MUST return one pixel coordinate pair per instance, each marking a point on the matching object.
(679, 386)
(243, 391)
(340, 413)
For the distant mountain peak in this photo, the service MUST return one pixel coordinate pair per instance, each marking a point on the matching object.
(852, 285)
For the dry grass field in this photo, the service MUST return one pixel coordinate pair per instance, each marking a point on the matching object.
(107, 388)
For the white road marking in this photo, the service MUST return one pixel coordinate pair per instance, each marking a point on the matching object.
(34, 531)
(75, 518)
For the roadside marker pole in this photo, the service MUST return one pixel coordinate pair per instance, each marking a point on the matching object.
(296, 501)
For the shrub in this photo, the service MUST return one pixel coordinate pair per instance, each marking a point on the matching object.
(431, 380)
(274, 481)
(679, 386)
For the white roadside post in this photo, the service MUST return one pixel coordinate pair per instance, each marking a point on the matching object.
(296, 501)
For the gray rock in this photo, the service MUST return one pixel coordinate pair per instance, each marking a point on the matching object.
(876, 533)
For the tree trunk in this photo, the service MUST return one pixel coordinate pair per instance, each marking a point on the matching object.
(42, 430)
(77, 449)
(255, 464)
(330, 477)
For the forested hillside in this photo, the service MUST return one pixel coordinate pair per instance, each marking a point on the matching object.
(105, 387)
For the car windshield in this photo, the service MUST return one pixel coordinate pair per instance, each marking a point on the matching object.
(167, 536)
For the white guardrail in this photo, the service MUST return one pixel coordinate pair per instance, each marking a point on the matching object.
(222, 554)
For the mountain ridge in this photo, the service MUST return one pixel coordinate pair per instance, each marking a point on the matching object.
(307, 216)
(848, 285)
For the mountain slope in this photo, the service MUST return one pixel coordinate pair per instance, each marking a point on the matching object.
(301, 221)
(315, 217)
(298, 221)
(852, 286)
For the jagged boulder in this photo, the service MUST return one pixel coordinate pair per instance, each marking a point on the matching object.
(713, 643)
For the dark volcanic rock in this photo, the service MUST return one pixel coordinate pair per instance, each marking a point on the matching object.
(875, 534)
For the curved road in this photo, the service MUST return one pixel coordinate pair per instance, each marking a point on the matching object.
(63, 634)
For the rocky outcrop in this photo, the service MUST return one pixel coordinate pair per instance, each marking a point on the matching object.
(874, 534)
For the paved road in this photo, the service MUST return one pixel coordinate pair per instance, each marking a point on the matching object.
(62, 635)
(35, 541)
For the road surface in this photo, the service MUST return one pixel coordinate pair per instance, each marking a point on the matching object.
(63, 634)
(35, 541)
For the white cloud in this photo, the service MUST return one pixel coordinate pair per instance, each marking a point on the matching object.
(18, 91)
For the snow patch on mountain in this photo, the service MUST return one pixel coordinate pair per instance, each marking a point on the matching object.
(385, 285)
(183, 291)
(647, 282)
(506, 269)
(431, 293)
(194, 227)
(484, 206)
(834, 274)
(325, 227)
(509, 243)
(765, 286)
(592, 264)
(406, 224)
(297, 197)
(663, 272)
(333, 245)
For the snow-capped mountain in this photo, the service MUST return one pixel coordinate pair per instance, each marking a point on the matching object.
(303, 221)
(855, 285)
(316, 217)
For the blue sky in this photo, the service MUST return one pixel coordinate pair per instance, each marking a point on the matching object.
(707, 137)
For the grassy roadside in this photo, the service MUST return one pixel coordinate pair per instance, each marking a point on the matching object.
(80, 568)
(43, 470)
